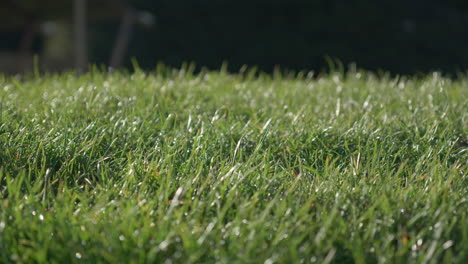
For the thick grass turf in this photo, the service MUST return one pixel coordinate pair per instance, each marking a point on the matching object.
(172, 167)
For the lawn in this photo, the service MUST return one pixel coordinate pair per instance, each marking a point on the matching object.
(174, 167)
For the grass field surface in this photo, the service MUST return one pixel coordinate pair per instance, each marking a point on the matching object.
(175, 167)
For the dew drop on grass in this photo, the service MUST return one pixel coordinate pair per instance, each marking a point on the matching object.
(236, 231)
(447, 244)
(163, 246)
(78, 255)
(419, 242)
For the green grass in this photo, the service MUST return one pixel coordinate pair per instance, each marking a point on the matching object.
(173, 167)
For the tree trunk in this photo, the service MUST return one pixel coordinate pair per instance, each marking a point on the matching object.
(123, 37)
(81, 53)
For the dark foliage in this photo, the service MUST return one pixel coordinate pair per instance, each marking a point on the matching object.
(400, 36)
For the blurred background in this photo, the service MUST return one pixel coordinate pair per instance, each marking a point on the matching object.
(400, 36)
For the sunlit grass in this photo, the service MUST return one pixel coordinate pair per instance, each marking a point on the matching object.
(174, 167)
